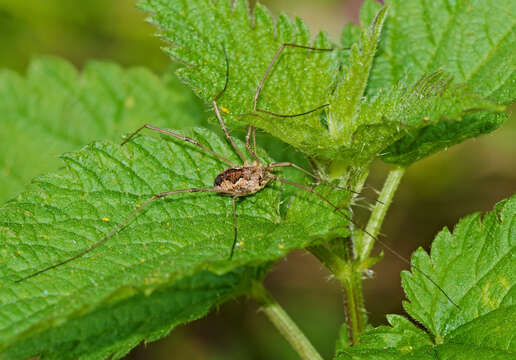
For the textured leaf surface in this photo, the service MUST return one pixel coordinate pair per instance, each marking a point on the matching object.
(199, 30)
(488, 337)
(176, 238)
(115, 327)
(54, 109)
(476, 266)
(401, 110)
(473, 41)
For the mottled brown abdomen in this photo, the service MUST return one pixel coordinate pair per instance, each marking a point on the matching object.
(242, 180)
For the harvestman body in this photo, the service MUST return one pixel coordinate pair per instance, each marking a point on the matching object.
(238, 181)
(235, 181)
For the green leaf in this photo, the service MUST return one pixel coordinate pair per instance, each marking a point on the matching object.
(55, 109)
(346, 100)
(198, 32)
(396, 341)
(113, 329)
(487, 337)
(473, 41)
(394, 112)
(163, 256)
(434, 138)
(475, 266)
(368, 12)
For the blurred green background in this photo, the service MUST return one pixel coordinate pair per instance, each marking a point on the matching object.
(435, 192)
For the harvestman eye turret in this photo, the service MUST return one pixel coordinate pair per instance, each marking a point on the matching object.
(237, 180)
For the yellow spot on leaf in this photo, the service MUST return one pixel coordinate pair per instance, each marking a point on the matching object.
(426, 118)
(281, 246)
(19, 252)
(407, 348)
(241, 243)
(505, 283)
(487, 298)
(142, 260)
(224, 110)
(105, 219)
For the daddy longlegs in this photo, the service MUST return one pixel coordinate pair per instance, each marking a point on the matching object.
(237, 180)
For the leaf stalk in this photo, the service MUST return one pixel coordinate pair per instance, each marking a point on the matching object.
(364, 243)
(286, 326)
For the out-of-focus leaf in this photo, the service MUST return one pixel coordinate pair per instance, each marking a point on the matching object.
(473, 41)
(55, 109)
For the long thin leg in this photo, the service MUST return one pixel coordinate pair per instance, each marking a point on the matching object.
(391, 250)
(184, 138)
(250, 130)
(235, 227)
(285, 164)
(264, 78)
(254, 142)
(117, 228)
(217, 110)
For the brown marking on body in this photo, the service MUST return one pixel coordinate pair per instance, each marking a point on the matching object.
(243, 180)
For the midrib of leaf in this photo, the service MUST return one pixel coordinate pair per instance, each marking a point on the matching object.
(349, 93)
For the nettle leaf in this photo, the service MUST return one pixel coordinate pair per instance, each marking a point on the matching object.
(347, 98)
(394, 112)
(170, 264)
(198, 32)
(473, 41)
(115, 326)
(475, 265)
(55, 109)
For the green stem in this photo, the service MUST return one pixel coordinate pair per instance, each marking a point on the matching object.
(364, 246)
(284, 323)
(344, 273)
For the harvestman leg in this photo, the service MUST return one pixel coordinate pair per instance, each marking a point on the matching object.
(285, 164)
(160, 195)
(118, 228)
(184, 138)
(267, 72)
(235, 227)
(252, 150)
(394, 252)
(217, 111)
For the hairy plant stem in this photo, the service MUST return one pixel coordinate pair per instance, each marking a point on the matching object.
(284, 323)
(349, 269)
(343, 271)
(364, 243)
